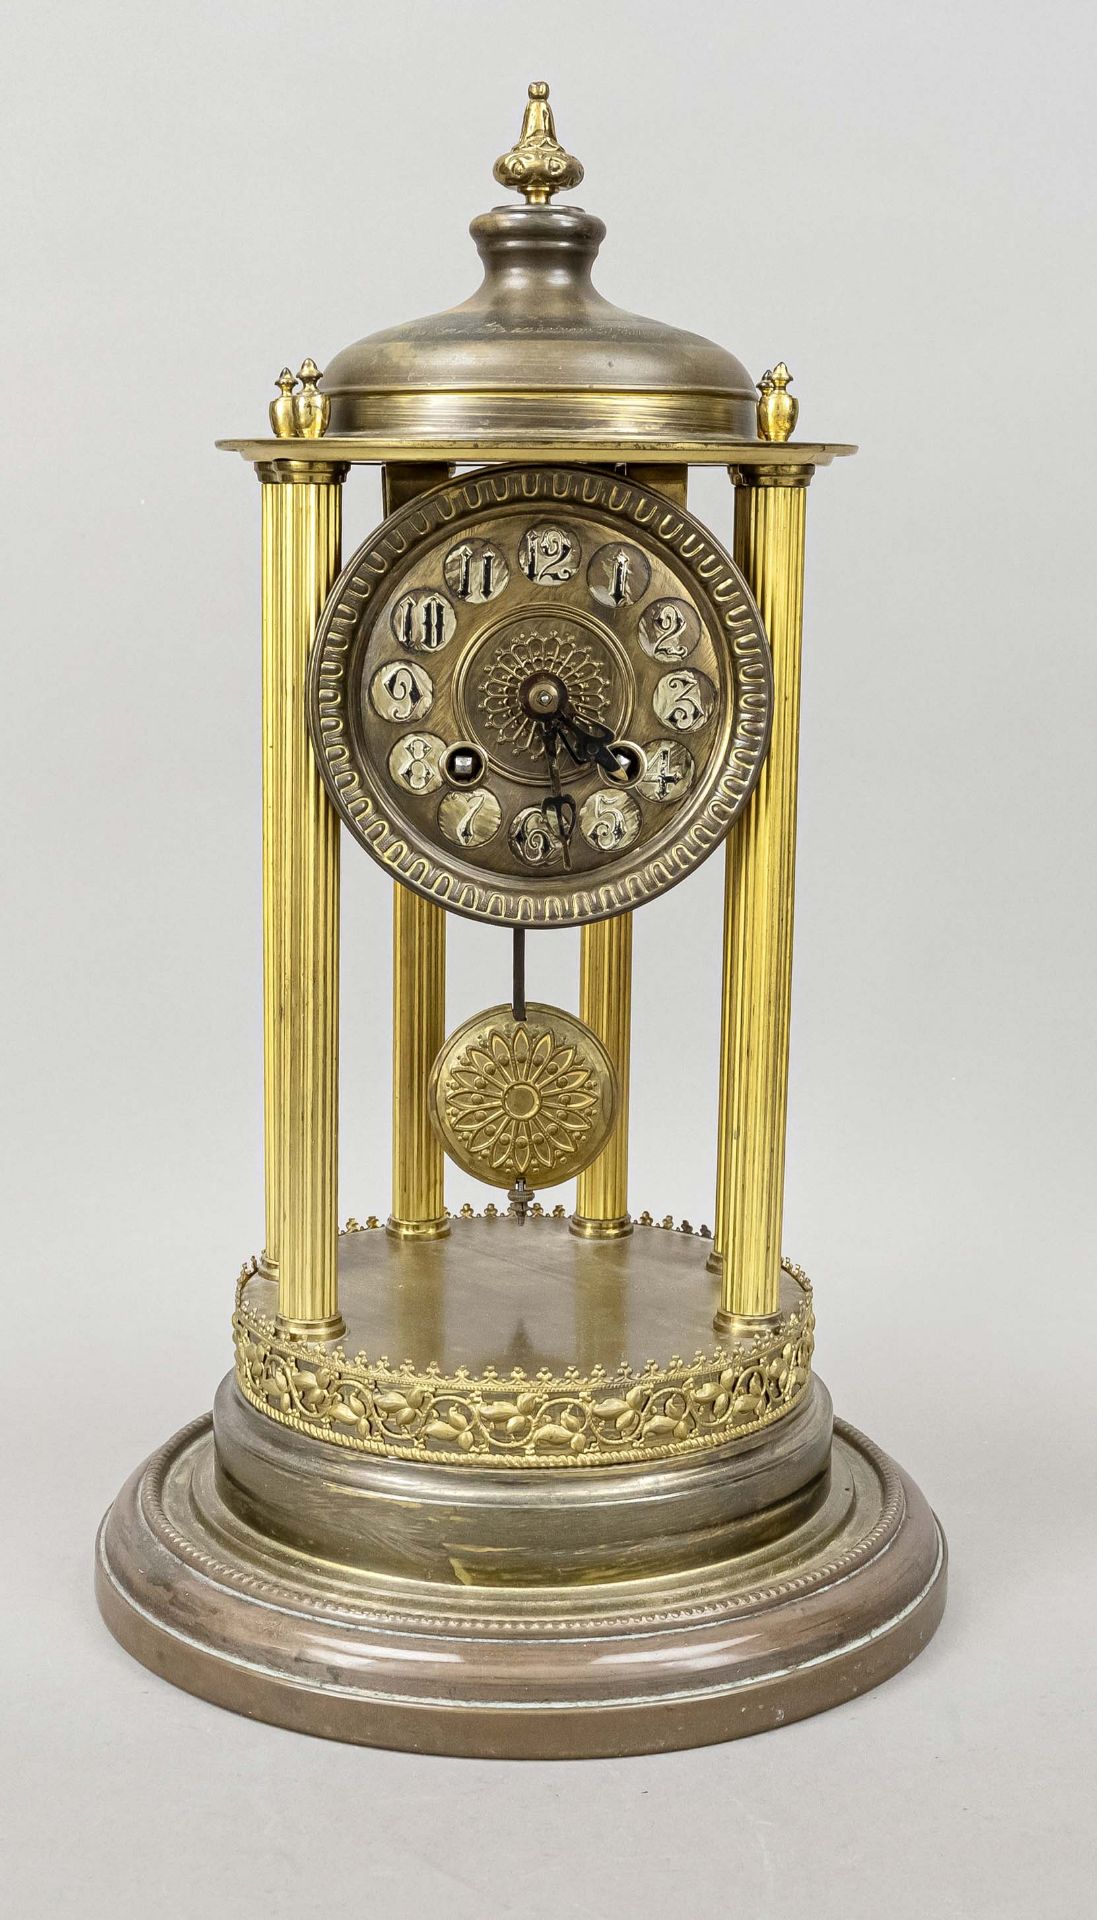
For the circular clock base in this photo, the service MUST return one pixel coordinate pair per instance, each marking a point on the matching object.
(841, 1589)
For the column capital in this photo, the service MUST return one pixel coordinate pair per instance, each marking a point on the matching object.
(301, 473)
(794, 474)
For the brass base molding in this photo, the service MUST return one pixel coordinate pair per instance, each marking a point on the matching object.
(420, 1607)
(499, 1415)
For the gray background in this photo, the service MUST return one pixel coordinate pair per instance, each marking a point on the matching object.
(899, 202)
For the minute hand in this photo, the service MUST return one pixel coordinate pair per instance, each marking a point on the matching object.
(561, 805)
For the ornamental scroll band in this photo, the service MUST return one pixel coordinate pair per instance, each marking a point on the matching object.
(366, 808)
(515, 1419)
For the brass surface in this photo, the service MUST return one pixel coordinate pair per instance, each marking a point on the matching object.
(823, 1595)
(289, 469)
(282, 419)
(545, 1351)
(605, 1003)
(758, 921)
(537, 165)
(303, 415)
(418, 1000)
(311, 408)
(404, 479)
(433, 1519)
(672, 481)
(540, 437)
(778, 409)
(418, 1029)
(531, 1100)
(536, 341)
(275, 561)
(463, 650)
(301, 535)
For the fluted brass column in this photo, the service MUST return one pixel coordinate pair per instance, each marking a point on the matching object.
(418, 997)
(418, 1030)
(272, 723)
(605, 997)
(302, 520)
(605, 1003)
(758, 912)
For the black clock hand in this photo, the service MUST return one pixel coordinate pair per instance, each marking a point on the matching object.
(559, 805)
(587, 742)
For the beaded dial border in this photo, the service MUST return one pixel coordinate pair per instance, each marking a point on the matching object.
(515, 1419)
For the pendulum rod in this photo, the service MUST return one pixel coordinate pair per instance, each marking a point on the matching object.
(758, 912)
(302, 523)
(518, 973)
(418, 996)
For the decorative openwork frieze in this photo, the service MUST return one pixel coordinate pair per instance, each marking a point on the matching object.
(520, 1419)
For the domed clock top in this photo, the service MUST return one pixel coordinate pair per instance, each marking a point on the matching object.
(537, 340)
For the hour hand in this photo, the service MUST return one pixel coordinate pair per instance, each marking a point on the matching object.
(587, 742)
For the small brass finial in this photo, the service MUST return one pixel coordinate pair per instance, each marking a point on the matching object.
(311, 410)
(777, 407)
(281, 410)
(537, 165)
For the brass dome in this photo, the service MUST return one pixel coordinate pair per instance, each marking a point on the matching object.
(537, 349)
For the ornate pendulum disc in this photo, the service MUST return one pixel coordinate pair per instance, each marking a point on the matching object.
(523, 1101)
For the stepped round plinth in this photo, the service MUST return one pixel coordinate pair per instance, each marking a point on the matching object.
(384, 1551)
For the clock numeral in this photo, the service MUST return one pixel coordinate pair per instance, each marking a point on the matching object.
(424, 621)
(684, 700)
(669, 630)
(619, 575)
(470, 819)
(475, 571)
(668, 772)
(415, 762)
(549, 555)
(610, 821)
(399, 692)
(534, 837)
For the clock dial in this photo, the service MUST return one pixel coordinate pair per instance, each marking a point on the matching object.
(540, 695)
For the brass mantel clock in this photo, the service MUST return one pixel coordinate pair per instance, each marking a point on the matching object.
(546, 1480)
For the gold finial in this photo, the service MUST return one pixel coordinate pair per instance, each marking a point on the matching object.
(777, 407)
(281, 410)
(311, 410)
(537, 165)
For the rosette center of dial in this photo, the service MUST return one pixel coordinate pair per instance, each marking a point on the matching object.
(531, 667)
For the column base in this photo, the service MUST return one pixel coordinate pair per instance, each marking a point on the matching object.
(585, 1229)
(417, 1229)
(333, 1327)
(735, 1328)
